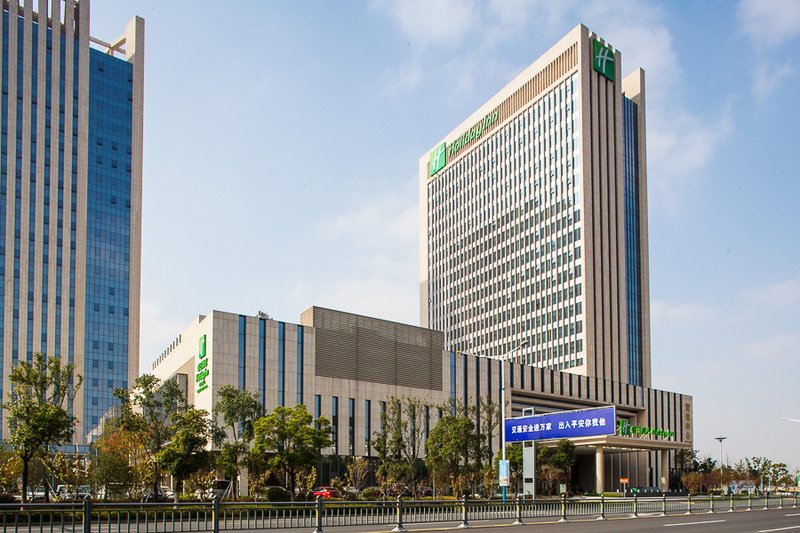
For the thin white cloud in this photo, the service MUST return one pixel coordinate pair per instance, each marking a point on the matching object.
(770, 22)
(780, 294)
(785, 346)
(380, 234)
(403, 77)
(384, 221)
(443, 22)
(768, 78)
(677, 312)
(680, 145)
(358, 295)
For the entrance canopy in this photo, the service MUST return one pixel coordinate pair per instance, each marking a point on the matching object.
(622, 443)
(614, 443)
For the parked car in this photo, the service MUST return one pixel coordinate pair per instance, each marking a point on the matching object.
(160, 495)
(425, 492)
(220, 489)
(326, 492)
(398, 489)
(37, 494)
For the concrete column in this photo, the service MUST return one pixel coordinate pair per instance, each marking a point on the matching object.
(599, 469)
(664, 474)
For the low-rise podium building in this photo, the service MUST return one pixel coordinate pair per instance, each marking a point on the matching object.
(344, 366)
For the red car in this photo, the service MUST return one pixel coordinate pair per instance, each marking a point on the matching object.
(326, 492)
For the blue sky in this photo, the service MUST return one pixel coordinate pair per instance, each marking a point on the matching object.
(281, 149)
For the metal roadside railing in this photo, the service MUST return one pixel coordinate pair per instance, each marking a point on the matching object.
(110, 517)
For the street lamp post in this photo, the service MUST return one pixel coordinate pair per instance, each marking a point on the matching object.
(720, 439)
(503, 359)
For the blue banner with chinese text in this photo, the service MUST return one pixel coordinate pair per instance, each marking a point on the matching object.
(562, 425)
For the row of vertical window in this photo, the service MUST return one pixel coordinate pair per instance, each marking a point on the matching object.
(520, 157)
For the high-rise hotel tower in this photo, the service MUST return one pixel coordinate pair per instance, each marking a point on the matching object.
(70, 198)
(534, 219)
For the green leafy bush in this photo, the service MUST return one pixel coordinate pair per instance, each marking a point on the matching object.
(371, 494)
(277, 494)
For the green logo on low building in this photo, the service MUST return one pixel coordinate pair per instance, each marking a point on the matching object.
(603, 59)
(202, 366)
(437, 159)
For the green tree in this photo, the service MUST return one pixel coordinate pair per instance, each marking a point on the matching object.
(490, 415)
(413, 438)
(233, 418)
(290, 440)
(147, 409)
(706, 466)
(10, 470)
(452, 447)
(400, 444)
(357, 474)
(69, 469)
(693, 481)
(487, 417)
(778, 475)
(41, 392)
(686, 460)
(556, 462)
(388, 443)
(202, 481)
(186, 453)
(758, 468)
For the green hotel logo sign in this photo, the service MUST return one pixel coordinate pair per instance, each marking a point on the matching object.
(437, 159)
(202, 366)
(627, 430)
(473, 133)
(603, 59)
(441, 154)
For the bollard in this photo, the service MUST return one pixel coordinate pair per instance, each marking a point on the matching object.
(318, 514)
(464, 521)
(689, 504)
(399, 527)
(563, 508)
(602, 508)
(636, 505)
(766, 502)
(518, 521)
(664, 504)
(731, 508)
(749, 500)
(780, 501)
(795, 500)
(711, 507)
(215, 513)
(87, 515)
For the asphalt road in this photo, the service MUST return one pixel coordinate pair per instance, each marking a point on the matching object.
(772, 521)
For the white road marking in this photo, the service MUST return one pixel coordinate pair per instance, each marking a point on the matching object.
(694, 523)
(779, 529)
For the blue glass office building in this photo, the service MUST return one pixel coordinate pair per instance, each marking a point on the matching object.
(70, 199)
